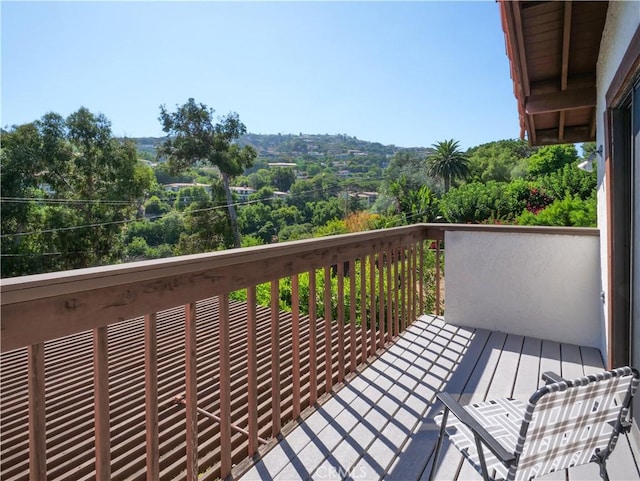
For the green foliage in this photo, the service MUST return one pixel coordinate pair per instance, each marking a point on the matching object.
(498, 161)
(476, 202)
(190, 195)
(332, 227)
(326, 210)
(263, 291)
(448, 162)
(414, 204)
(193, 137)
(569, 181)
(156, 207)
(282, 178)
(570, 211)
(549, 159)
(96, 178)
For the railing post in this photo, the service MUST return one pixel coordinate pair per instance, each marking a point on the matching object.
(101, 393)
(363, 307)
(414, 284)
(37, 418)
(252, 370)
(328, 357)
(340, 321)
(191, 388)
(151, 395)
(437, 278)
(389, 267)
(352, 314)
(421, 273)
(295, 341)
(275, 359)
(396, 290)
(225, 387)
(313, 349)
(372, 300)
(381, 300)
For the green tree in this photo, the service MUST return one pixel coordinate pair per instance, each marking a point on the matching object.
(570, 211)
(551, 158)
(498, 160)
(282, 178)
(448, 162)
(193, 137)
(96, 181)
(156, 207)
(190, 195)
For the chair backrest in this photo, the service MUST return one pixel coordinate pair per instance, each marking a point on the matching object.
(568, 422)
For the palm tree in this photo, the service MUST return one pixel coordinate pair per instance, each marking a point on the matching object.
(448, 162)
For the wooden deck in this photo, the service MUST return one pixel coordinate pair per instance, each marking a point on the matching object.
(380, 424)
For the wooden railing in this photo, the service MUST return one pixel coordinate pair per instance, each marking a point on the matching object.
(360, 291)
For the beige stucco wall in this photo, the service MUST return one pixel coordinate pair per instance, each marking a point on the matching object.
(623, 18)
(540, 285)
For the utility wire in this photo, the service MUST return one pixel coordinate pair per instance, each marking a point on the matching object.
(153, 217)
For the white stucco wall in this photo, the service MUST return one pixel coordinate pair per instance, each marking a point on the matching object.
(623, 18)
(540, 285)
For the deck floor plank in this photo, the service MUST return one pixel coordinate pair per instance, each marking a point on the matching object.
(380, 424)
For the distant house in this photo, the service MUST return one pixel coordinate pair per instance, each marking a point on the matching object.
(243, 192)
(176, 186)
(46, 188)
(292, 165)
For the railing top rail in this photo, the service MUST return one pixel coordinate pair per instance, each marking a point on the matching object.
(24, 288)
(19, 289)
(518, 229)
(41, 307)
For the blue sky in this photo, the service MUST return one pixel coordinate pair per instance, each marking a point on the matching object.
(408, 74)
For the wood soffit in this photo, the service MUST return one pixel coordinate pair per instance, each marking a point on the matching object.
(553, 48)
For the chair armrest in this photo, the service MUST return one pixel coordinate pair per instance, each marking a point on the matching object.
(550, 377)
(458, 411)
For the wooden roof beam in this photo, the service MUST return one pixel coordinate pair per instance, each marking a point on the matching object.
(566, 40)
(561, 100)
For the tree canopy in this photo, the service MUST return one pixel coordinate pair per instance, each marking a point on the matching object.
(194, 136)
(448, 162)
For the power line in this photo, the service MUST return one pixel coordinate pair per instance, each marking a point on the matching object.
(155, 217)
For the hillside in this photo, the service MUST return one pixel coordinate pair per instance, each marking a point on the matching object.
(289, 146)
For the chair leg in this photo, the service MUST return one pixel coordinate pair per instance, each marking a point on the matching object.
(483, 463)
(436, 453)
(603, 470)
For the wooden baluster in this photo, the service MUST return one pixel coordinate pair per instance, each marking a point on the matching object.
(101, 393)
(421, 270)
(295, 341)
(389, 254)
(363, 307)
(275, 359)
(372, 300)
(313, 349)
(405, 281)
(37, 418)
(225, 386)
(252, 370)
(381, 303)
(191, 386)
(437, 278)
(340, 321)
(396, 290)
(328, 362)
(352, 314)
(414, 284)
(151, 395)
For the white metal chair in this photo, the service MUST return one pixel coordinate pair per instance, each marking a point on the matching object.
(564, 424)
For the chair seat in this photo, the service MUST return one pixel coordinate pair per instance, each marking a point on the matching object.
(502, 418)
